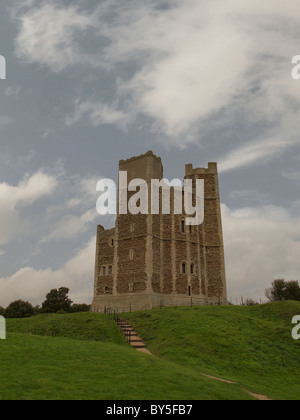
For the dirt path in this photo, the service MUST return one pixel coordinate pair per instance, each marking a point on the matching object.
(257, 396)
(144, 350)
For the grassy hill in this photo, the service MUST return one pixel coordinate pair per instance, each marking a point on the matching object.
(58, 368)
(249, 345)
(84, 356)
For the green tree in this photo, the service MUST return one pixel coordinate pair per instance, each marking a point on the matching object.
(57, 300)
(282, 290)
(292, 290)
(276, 292)
(19, 309)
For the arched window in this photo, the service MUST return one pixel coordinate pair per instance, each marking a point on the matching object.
(110, 270)
(104, 271)
(106, 290)
(183, 268)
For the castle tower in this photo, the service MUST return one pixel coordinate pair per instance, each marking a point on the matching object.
(152, 260)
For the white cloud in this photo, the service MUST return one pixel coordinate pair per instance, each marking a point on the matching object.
(74, 213)
(69, 217)
(32, 285)
(16, 198)
(97, 113)
(49, 35)
(261, 244)
(198, 58)
(189, 61)
(72, 226)
(253, 152)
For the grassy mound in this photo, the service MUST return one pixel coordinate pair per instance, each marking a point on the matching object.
(58, 368)
(249, 345)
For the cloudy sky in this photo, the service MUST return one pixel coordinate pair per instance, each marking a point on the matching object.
(89, 83)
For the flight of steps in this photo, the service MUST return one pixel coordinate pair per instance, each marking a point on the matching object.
(130, 335)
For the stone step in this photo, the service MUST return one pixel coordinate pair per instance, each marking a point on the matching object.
(138, 345)
(131, 333)
(136, 339)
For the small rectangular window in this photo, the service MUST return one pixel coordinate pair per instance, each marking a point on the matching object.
(183, 268)
(182, 226)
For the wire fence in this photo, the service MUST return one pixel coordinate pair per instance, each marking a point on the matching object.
(132, 307)
(241, 301)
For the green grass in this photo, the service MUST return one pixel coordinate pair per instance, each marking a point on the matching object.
(80, 326)
(249, 345)
(58, 368)
(84, 356)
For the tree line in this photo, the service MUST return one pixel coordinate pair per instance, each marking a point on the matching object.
(56, 301)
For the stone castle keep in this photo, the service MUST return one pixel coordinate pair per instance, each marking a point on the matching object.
(156, 260)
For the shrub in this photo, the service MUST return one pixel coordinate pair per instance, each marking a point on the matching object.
(80, 307)
(19, 309)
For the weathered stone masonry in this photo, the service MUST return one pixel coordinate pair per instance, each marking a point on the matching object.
(150, 261)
